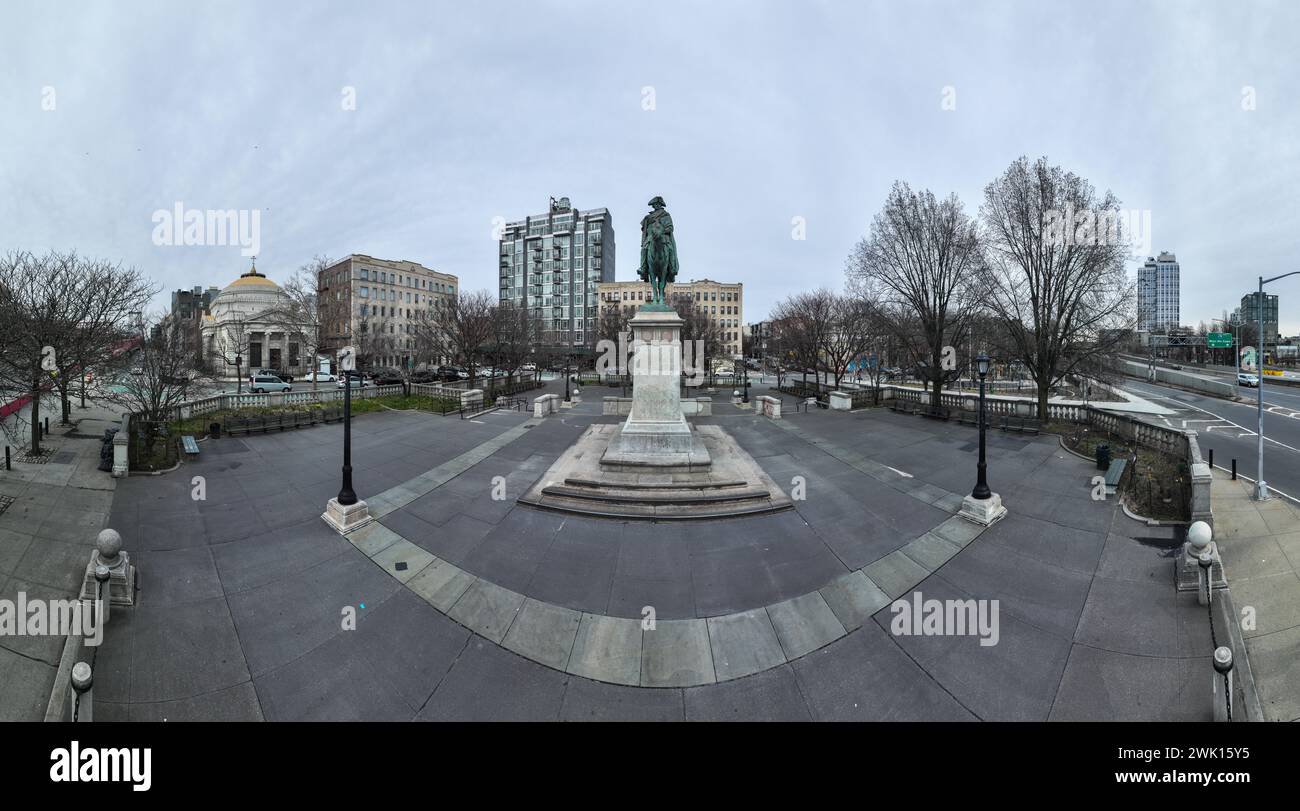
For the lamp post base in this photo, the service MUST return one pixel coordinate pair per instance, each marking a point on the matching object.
(983, 511)
(344, 518)
(1261, 491)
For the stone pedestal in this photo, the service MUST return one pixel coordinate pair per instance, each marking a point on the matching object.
(983, 511)
(346, 517)
(121, 573)
(656, 432)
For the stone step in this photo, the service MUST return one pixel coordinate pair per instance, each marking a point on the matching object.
(676, 496)
(703, 484)
(658, 512)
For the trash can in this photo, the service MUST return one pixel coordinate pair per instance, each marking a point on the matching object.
(1103, 457)
(214, 430)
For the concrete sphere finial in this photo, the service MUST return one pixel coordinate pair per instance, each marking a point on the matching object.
(1199, 535)
(109, 543)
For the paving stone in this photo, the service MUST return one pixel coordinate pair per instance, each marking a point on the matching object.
(804, 624)
(853, 598)
(587, 700)
(373, 538)
(544, 633)
(772, 695)
(743, 643)
(441, 584)
(487, 609)
(930, 550)
(607, 649)
(896, 574)
(958, 530)
(675, 653)
(403, 559)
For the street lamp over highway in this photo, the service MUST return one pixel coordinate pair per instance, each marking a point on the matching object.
(1261, 488)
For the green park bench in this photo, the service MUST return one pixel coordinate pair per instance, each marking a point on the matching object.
(937, 412)
(1113, 474)
(1021, 425)
(191, 446)
(968, 417)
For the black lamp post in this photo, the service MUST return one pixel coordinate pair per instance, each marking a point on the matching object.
(347, 496)
(982, 490)
(239, 373)
(566, 378)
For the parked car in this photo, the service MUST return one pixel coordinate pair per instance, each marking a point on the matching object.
(386, 376)
(1247, 379)
(425, 376)
(320, 377)
(358, 383)
(528, 367)
(261, 384)
(285, 376)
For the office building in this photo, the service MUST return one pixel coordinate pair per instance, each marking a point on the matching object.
(1250, 314)
(1158, 301)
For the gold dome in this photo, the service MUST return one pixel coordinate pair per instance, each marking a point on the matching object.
(252, 279)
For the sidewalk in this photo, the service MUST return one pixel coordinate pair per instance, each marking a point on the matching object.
(1260, 547)
(50, 514)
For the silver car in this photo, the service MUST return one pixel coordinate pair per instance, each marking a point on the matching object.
(261, 384)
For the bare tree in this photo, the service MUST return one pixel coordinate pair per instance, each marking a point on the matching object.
(802, 322)
(848, 335)
(1055, 269)
(230, 346)
(299, 315)
(466, 322)
(160, 378)
(513, 336)
(923, 256)
(698, 326)
(60, 309)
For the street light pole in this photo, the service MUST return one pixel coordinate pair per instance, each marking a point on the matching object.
(347, 495)
(982, 491)
(1261, 488)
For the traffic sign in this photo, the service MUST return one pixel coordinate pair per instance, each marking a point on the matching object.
(1219, 340)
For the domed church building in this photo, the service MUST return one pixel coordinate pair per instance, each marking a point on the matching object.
(245, 329)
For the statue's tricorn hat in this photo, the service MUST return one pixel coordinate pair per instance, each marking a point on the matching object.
(657, 201)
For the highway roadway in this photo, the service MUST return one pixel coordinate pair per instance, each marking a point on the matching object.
(1229, 428)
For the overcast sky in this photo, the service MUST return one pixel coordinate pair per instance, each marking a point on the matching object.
(762, 112)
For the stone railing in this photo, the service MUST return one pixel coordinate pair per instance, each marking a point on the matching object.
(1177, 443)
(768, 406)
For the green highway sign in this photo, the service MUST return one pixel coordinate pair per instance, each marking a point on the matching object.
(1219, 340)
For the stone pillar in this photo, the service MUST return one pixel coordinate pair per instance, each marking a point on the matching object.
(121, 573)
(656, 431)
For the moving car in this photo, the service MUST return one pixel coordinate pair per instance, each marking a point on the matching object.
(1247, 379)
(261, 384)
(358, 383)
(320, 377)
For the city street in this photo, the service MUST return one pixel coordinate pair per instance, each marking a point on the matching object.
(1229, 428)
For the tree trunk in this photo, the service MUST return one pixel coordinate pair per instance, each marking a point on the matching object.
(36, 419)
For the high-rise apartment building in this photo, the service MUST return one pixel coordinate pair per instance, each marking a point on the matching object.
(551, 263)
(1158, 303)
(722, 302)
(376, 306)
(1250, 314)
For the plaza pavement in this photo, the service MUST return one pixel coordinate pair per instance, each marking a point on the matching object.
(241, 594)
(1260, 547)
(47, 535)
